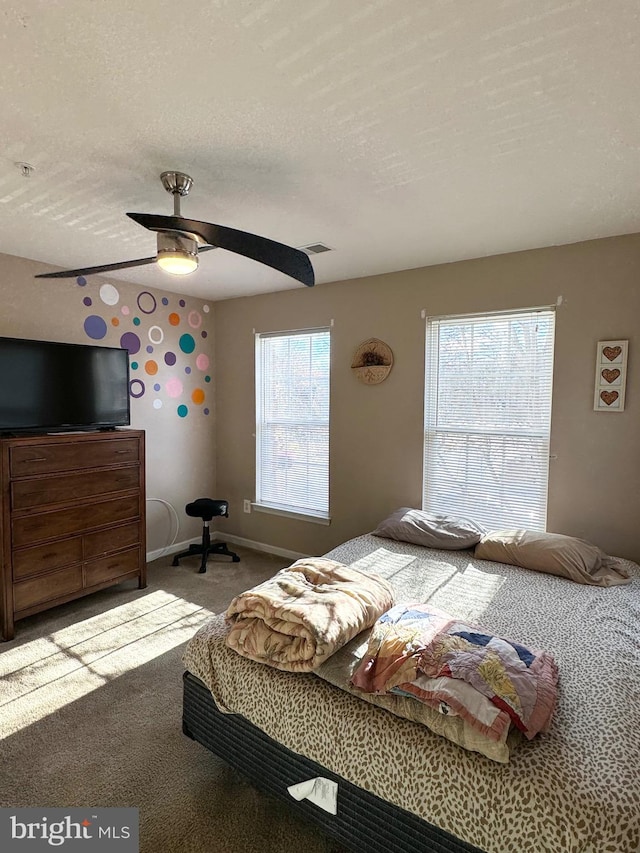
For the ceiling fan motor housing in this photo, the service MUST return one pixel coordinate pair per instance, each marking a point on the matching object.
(173, 246)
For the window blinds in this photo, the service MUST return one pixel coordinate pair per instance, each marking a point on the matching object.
(292, 421)
(488, 384)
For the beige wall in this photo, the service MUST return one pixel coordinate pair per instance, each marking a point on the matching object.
(180, 451)
(376, 431)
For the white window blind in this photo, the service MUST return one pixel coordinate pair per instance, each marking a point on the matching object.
(488, 384)
(292, 421)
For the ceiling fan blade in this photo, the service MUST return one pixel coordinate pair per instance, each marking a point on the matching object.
(123, 265)
(292, 262)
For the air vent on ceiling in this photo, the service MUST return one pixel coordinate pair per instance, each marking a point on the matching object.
(315, 248)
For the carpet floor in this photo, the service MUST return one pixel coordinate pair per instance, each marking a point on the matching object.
(90, 715)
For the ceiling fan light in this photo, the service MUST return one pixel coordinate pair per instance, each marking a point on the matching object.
(177, 263)
(177, 254)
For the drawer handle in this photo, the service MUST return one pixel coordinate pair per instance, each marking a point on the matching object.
(123, 451)
(37, 459)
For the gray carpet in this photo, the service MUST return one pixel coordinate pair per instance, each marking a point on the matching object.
(90, 715)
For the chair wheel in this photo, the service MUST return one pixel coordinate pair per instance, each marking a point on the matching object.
(175, 562)
(235, 559)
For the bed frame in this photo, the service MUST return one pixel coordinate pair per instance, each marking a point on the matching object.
(364, 823)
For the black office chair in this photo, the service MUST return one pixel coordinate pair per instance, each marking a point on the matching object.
(206, 509)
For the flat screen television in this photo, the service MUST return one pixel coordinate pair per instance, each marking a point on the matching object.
(54, 387)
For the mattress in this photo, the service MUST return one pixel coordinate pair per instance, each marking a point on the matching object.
(363, 822)
(573, 789)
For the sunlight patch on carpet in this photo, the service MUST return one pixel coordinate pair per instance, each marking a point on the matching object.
(42, 676)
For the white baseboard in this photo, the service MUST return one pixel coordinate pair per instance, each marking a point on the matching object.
(170, 549)
(257, 546)
(226, 537)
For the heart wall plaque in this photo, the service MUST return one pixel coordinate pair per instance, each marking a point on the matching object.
(611, 376)
(612, 353)
(609, 397)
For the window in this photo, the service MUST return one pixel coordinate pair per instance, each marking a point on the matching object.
(488, 384)
(292, 422)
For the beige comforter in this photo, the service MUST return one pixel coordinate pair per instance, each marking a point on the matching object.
(298, 618)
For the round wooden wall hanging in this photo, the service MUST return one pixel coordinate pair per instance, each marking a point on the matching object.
(372, 361)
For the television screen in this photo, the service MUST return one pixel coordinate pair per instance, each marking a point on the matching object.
(47, 386)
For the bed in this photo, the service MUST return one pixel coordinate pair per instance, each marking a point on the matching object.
(403, 787)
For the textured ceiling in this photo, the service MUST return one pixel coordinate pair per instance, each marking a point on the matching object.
(401, 133)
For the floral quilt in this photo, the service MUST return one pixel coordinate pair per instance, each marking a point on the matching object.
(459, 668)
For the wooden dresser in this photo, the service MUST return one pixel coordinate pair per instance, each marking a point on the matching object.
(73, 518)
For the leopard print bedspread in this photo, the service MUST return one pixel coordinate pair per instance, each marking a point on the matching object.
(572, 790)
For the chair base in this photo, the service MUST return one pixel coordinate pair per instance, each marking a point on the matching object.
(205, 551)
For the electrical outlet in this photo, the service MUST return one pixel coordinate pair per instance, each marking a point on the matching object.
(246, 506)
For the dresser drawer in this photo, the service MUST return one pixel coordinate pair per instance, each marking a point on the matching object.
(49, 457)
(47, 587)
(105, 541)
(108, 568)
(67, 487)
(48, 525)
(33, 561)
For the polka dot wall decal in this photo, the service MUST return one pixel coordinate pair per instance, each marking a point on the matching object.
(197, 395)
(136, 388)
(202, 361)
(151, 367)
(81, 280)
(187, 343)
(156, 335)
(187, 370)
(87, 301)
(194, 319)
(174, 319)
(156, 387)
(109, 294)
(147, 302)
(182, 303)
(170, 358)
(204, 334)
(157, 404)
(205, 308)
(131, 342)
(173, 387)
(205, 411)
(125, 311)
(95, 327)
(207, 379)
(183, 411)
(134, 365)
(165, 301)
(136, 321)
(149, 349)
(115, 321)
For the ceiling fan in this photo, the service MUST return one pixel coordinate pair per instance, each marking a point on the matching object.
(180, 240)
